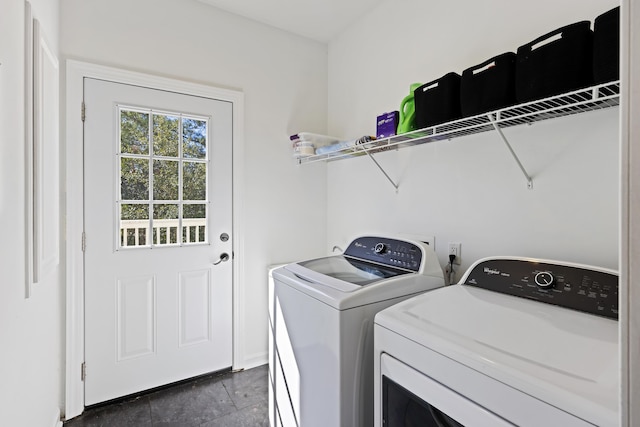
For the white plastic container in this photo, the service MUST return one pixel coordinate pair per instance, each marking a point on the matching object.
(317, 140)
(303, 149)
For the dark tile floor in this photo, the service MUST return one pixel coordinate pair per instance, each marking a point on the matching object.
(230, 399)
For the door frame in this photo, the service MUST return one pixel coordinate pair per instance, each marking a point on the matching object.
(629, 208)
(76, 72)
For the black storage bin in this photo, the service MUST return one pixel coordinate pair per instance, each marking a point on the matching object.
(606, 46)
(488, 86)
(562, 64)
(438, 101)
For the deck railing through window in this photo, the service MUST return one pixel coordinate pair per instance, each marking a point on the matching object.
(165, 232)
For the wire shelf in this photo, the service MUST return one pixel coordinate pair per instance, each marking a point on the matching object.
(589, 99)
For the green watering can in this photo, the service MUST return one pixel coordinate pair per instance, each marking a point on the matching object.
(408, 111)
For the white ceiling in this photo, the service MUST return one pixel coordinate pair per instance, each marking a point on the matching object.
(320, 20)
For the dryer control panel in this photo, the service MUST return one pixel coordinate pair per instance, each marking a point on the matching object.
(382, 250)
(566, 285)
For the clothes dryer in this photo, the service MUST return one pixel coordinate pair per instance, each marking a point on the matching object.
(518, 341)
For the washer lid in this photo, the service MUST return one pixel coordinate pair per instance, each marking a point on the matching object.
(349, 273)
(563, 357)
(343, 295)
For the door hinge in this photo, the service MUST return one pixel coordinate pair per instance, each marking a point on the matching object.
(82, 111)
(84, 241)
(83, 371)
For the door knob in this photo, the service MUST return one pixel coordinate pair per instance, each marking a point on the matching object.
(223, 257)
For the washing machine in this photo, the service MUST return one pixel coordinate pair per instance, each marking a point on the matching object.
(517, 341)
(321, 320)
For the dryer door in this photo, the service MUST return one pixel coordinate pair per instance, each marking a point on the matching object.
(410, 398)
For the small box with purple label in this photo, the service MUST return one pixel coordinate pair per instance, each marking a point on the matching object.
(387, 124)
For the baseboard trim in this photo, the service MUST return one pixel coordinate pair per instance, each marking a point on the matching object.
(254, 360)
(57, 421)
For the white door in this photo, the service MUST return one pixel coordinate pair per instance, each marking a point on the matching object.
(158, 192)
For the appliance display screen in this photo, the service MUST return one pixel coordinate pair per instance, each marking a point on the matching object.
(351, 270)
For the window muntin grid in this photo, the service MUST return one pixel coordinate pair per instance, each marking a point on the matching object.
(162, 197)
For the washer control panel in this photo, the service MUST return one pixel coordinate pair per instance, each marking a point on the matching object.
(382, 250)
(575, 287)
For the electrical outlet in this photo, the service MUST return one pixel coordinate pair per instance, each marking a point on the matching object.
(454, 249)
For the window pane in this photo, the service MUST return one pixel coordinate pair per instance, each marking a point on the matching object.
(165, 211)
(194, 223)
(194, 211)
(134, 132)
(134, 225)
(194, 138)
(165, 224)
(165, 135)
(194, 181)
(165, 180)
(134, 179)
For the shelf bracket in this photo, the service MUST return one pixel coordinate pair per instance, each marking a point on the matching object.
(382, 170)
(513, 153)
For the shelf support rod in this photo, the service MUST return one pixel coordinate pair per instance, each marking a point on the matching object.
(513, 153)
(382, 170)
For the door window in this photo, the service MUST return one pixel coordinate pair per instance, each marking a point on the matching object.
(163, 167)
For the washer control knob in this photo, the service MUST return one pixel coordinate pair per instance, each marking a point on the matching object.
(544, 279)
(380, 248)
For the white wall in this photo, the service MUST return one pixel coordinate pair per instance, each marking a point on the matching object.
(470, 190)
(31, 330)
(284, 79)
